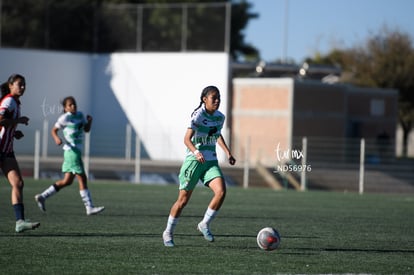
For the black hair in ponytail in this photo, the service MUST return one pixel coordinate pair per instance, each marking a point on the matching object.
(5, 86)
(205, 93)
(4, 89)
(65, 101)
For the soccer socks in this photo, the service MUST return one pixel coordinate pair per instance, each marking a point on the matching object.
(167, 235)
(204, 225)
(19, 211)
(86, 198)
(51, 190)
(85, 195)
(209, 216)
(171, 223)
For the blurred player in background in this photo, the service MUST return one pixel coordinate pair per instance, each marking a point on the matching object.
(11, 91)
(72, 123)
(201, 163)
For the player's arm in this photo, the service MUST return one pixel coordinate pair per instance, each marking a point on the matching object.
(88, 124)
(222, 143)
(18, 134)
(54, 133)
(6, 122)
(187, 142)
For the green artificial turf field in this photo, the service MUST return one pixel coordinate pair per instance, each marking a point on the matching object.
(322, 232)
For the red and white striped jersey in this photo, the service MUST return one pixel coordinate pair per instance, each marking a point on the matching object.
(9, 109)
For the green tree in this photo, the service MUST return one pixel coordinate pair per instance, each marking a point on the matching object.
(113, 25)
(240, 17)
(385, 60)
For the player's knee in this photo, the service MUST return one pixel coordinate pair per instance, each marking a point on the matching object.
(181, 203)
(221, 193)
(19, 184)
(63, 183)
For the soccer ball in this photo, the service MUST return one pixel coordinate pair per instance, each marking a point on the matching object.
(268, 238)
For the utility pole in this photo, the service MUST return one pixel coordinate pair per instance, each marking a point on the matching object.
(285, 32)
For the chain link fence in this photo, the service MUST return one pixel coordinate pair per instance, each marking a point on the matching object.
(331, 163)
(122, 28)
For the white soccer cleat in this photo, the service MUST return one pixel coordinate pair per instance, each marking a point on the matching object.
(94, 210)
(22, 225)
(203, 228)
(167, 237)
(40, 202)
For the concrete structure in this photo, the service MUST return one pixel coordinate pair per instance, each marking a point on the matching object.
(269, 114)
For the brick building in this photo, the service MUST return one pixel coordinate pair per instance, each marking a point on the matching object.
(270, 114)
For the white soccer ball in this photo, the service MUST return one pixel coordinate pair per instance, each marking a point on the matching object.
(268, 238)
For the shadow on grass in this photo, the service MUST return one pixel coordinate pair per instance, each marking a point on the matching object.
(80, 235)
(317, 250)
(284, 249)
(32, 234)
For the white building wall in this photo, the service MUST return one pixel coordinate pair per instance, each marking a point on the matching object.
(154, 92)
(158, 93)
(50, 76)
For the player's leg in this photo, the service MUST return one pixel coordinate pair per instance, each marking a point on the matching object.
(175, 212)
(213, 178)
(189, 176)
(219, 190)
(11, 170)
(182, 200)
(218, 187)
(69, 162)
(53, 189)
(86, 196)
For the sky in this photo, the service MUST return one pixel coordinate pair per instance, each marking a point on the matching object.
(296, 29)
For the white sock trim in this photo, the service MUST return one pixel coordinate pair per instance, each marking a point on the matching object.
(51, 190)
(86, 198)
(209, 215)
(171, 223)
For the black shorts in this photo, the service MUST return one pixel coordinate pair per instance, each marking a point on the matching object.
(4, 156)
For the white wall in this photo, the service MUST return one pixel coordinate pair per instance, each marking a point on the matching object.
(50, 76)
(158, 93)
(154, 92)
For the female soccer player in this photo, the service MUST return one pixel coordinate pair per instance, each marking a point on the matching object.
(201, 163)
(73, 124)
(11, 91)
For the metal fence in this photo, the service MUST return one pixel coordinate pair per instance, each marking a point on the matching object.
(347, 150)
(122, 27)
(321, 163)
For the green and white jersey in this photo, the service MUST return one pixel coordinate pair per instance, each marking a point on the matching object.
(72, 126)
(207, 130)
